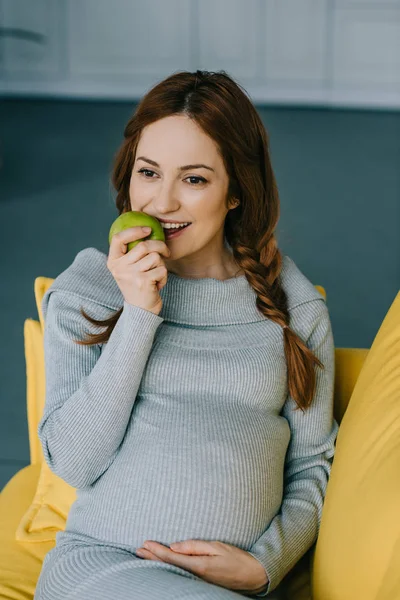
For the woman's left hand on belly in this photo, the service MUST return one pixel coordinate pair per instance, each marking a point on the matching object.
(216, 562)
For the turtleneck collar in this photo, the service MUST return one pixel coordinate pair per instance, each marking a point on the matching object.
(186, 301)
(208, 301)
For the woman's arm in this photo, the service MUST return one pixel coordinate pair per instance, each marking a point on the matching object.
(90, 393)
(308, 460)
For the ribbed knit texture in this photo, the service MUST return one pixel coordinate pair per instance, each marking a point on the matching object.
(181, 425)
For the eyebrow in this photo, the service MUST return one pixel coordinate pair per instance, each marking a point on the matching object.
(184, 168)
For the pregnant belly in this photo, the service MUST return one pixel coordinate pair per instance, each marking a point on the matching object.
(209, 485)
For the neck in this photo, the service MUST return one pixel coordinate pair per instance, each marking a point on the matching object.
(225, 270)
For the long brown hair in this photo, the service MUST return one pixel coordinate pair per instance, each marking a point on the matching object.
(221, 107)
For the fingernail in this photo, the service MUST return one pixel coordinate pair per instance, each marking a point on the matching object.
(146, 229)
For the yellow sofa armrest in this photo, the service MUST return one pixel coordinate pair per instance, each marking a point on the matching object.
(35, 384)
(348, 364)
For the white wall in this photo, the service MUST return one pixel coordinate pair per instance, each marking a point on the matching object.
(312, 52)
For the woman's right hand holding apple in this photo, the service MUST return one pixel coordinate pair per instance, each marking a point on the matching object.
(140, 273)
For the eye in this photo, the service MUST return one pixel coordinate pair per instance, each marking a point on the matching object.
(199, 179)
(147, 171)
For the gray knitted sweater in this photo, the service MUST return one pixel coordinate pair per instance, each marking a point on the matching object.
(181, 425)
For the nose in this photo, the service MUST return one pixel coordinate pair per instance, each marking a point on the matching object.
(165, 201)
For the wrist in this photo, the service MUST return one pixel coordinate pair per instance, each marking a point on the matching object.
(262, 587)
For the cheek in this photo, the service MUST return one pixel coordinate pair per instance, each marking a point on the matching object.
(134, 195)
(207, 206)
(139, 194)
(131, 191)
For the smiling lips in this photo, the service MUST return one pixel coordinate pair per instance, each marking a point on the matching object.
(172, 233)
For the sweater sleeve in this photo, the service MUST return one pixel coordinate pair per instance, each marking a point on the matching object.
(90, 392)
(308, 461)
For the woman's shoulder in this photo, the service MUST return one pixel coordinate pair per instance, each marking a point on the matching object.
(298, 287)
(87, 278)
(307, 306)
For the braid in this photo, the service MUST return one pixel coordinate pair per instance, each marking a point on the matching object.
(264, 278)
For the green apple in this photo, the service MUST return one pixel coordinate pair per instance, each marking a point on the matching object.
(136, 218)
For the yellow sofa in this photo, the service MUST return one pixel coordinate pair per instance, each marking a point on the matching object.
(22, 554)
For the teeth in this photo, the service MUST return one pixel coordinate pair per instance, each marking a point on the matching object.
(173, 225)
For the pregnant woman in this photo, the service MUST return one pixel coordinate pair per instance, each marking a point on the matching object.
(189, 383)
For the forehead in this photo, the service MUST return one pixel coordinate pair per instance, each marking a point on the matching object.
(176, 141)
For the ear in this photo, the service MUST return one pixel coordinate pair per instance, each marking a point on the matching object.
(234, 203)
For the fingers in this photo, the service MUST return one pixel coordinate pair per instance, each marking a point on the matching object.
(196, 564)
(195, 546)
(140, 273)
(150, 261)
(142, 553)
(146, 247)
(120, 240)
(155, 275)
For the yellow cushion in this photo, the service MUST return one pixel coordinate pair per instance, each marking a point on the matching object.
(35, 384)
(49, 509)
(357, 554)
(35, 371)
(20, 563)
